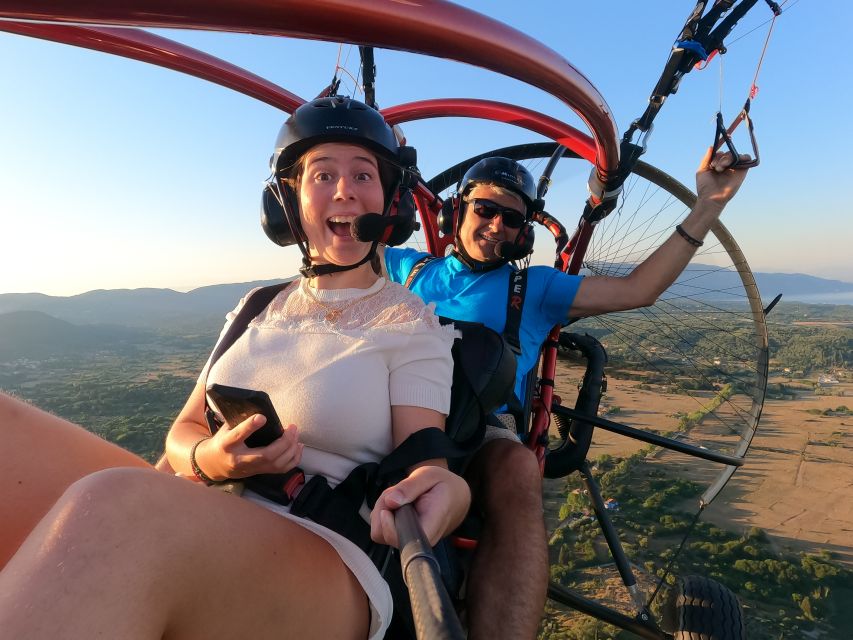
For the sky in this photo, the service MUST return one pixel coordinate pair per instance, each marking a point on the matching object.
(119, 174)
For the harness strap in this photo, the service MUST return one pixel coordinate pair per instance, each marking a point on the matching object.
(255, 303)
(423, 444)
(514, 305)
(420, 264)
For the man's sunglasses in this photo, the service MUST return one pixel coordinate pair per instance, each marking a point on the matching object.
(487, 209)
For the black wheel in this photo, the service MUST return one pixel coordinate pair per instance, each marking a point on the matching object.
(702, 609)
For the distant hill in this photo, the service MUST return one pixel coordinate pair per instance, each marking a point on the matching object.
(162, 309)
(709, 283)
(204, 309)
(791, 285)
(33, 334)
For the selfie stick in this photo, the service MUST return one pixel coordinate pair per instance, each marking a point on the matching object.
(432, 610)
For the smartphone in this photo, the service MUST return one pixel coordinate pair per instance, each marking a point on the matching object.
(236, 404)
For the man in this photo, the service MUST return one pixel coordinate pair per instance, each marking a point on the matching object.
(492, 227)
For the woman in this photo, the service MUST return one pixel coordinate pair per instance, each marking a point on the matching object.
(357, 363)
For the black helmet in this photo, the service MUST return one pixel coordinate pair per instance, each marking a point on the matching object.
(336, 119)
(504, 173)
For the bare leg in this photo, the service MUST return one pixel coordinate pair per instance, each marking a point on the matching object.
(163, 465)
(129, 553)
(512, 552)
(43, 455)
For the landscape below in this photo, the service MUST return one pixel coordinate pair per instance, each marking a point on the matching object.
(779, 534)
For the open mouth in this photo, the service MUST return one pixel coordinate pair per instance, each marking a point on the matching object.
(341, 226)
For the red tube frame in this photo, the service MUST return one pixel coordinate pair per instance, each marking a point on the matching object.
(430, 27)
(148, 47)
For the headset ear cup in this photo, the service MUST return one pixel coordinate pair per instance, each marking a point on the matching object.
(445, 219)
(404, 209)
(275, 220)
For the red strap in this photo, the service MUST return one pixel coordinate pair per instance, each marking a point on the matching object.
(293, 483)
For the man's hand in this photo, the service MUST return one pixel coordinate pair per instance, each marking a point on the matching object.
(716, 182)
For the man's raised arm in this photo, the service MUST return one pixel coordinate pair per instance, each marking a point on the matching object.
(716, 184)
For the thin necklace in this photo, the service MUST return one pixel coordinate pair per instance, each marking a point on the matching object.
(333, 314)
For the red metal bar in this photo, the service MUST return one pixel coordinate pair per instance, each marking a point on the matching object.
(576, 249)
(565, 134)
(148, 47)
(537, 440)
(428, 208)
(431, 27)
(572, 256)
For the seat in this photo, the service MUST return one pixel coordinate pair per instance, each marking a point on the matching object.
(484, 369)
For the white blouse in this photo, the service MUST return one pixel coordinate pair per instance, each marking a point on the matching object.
(336, 379)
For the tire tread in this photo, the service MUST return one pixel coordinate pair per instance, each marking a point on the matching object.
(705, 610)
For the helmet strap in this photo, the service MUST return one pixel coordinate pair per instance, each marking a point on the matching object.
(309, 270)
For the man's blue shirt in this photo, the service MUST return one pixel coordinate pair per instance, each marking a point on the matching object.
(461, 294)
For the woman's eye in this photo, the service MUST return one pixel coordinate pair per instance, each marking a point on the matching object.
(322, 176)
(364, 176)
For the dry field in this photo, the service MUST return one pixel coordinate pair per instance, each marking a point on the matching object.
(797, 483)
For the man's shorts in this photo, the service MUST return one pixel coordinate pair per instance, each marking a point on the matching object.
(500, 426)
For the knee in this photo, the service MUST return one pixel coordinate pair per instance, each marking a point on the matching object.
(118, 495)
(112, 485)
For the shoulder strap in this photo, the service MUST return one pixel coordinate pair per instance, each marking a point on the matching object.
(420, 264)
(257, 302)
(514, 305)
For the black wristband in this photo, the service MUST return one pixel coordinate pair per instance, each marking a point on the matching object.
(197, 472)
(690, 239)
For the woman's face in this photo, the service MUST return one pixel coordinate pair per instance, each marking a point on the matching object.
(339, 182)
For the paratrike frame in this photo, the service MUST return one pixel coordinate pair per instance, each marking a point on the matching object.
(442, 29)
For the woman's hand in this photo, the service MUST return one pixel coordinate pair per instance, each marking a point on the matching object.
(440, 497)
(225, 455)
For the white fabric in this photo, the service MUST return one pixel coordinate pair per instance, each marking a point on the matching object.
(337, 380)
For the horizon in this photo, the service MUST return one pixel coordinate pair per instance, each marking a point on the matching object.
(155, 177)
(188, 289)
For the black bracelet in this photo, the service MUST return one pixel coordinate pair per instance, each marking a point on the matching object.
(197, 472)
(690, 239)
